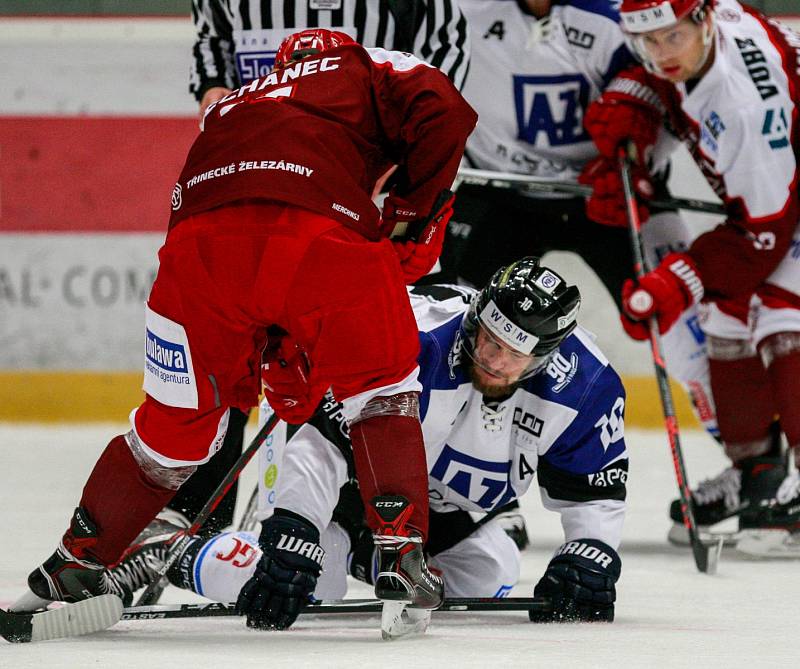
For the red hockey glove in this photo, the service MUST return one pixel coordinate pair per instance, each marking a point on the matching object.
(285, 372)
(666, 292)
(419, 249)
(638, 330)
(606, 204)
(627, 109)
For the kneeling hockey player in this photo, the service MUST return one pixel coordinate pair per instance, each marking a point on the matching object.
(511, 388)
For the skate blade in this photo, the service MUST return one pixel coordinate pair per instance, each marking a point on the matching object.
(70, 620)
(398, 621)
(769, 544)
(679, 536)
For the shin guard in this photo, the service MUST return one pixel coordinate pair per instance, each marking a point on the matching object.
(781, 355)
(745, 405)
(390, 459)
(120, 500)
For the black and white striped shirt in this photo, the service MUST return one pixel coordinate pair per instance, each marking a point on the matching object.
(237, 39)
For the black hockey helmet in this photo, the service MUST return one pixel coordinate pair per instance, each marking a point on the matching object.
(527, 307)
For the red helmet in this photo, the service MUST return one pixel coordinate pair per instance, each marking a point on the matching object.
(639, 16)
(309, 42)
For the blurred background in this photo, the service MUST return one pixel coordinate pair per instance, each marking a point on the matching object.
(95, 122)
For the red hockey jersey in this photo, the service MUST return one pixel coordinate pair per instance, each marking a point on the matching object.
(319, 133)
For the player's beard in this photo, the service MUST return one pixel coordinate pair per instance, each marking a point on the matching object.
(494, 392)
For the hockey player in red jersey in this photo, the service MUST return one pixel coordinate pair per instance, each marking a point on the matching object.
(276, 255)
(727, 81)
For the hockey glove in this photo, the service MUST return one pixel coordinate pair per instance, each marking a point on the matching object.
(665, 293)
(285, 377)
(285, 576)
(606, 205)
(628, 109)
(580, 583)
(419, 248)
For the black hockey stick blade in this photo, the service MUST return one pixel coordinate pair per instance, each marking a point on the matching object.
(215, 609)
(85, 617)
(706, 551)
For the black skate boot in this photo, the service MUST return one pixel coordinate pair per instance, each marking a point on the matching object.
(777, 524)
(407, 587)
(70, 574)
(142, 560)
(140, 564)
(736, 491)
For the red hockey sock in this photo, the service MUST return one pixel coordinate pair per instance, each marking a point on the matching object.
(744, 401)
(120, 500)
(784, 377)
(390, 459)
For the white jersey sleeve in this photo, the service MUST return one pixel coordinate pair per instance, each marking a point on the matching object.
(740, 123)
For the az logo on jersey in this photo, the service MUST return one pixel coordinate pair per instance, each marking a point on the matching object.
(552, 106)
(481, 481)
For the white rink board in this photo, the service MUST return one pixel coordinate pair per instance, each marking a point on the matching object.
(75, 301)
(140, 67)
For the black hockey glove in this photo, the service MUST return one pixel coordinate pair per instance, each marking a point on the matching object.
(286, 574)
(580, 582)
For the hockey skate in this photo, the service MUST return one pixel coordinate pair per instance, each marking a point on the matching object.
(408, 589)
(736, 492)
(140, 564)
(144, 558)
(778, 524)
(70, 575)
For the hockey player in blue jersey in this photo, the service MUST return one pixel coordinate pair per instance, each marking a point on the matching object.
(512, 389)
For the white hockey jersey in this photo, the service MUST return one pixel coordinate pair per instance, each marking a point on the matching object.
(564, 424)
(740, 122)
(531, 80)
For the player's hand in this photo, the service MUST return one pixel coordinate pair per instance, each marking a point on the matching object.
(285, 379)
(212, 95)
(665, 293)
(285, 576)
(421, 245)
(606, 204)
(580, 582)
(627, 110)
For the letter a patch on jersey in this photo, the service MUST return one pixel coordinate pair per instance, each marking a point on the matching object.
(168, 372)
(550, 109)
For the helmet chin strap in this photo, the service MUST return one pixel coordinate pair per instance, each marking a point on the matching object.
(708, 41)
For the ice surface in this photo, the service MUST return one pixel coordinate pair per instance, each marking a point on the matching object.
(668, 615)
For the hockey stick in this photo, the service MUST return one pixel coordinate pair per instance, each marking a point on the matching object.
(451, 604)
(154, 590)
(706, 556)
(528, 183)
(84, 617)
